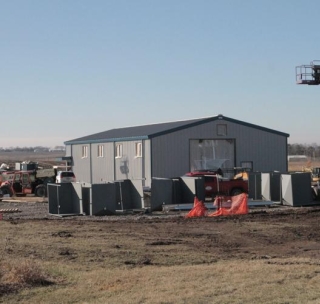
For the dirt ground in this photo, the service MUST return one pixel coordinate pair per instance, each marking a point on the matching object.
(276, 231)
(138, 258)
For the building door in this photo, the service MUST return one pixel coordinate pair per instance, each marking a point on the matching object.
(212, 154)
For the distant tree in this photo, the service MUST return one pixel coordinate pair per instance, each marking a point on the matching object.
(317, 151)
(309, 150)
(296, 149)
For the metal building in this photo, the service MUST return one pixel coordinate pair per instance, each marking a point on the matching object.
(171, 149)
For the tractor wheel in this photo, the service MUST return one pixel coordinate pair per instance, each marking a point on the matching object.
(236, 191)
(6, 190)
(40, 191)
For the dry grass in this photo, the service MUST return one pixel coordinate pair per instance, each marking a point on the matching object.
(150, 262)
(24, 273)
(293, 281)
(300, 165)
(20, 274)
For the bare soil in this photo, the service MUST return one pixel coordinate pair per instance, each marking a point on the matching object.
(265, 232)
(161, 258)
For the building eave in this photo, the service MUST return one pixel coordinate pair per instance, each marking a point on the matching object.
(97, 141)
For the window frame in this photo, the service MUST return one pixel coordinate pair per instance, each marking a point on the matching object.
(84, 151)
(100, 151)
(118, 151)
(138, 149)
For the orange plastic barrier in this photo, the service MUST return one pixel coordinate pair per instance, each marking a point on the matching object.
(232, 205)
(199, 209)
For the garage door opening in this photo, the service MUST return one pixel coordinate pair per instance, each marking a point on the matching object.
(212, 154)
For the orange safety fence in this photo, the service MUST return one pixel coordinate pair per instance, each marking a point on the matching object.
(199, 209)
(232, 205)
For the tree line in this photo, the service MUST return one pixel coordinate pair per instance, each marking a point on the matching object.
(32, 149)
(312, 151)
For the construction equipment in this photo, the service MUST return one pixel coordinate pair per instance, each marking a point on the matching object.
(216, 184)
(21, 183)
(315, 173)
(308, 74)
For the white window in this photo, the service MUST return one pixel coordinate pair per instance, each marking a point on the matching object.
(100, 151)
(118, 150)
(84, 151)
(139, 149)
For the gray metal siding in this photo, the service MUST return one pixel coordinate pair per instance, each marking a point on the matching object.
(102, 167)
(267, 151)
(129, 166)
(147, 162)
(94, 169)
(122, 164)
(68, 150)
(170, 152)
(170, 155)
(81, 166)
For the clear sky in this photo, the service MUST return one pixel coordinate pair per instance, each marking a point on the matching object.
(75, 68)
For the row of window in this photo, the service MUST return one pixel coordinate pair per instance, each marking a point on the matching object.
(221, 131)
(118, 150)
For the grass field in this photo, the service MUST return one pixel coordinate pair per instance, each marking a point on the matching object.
(299, 166)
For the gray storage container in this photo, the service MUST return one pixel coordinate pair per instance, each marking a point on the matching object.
(254, 179)
(296, 189)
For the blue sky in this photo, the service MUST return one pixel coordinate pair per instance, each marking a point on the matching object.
(74, 68)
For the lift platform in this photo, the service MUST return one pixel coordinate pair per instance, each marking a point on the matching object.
(308, 74)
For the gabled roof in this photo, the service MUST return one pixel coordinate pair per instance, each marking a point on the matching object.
(154, 130)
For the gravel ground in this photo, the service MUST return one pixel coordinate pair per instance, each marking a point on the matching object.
(34, 208)
(25, 210)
